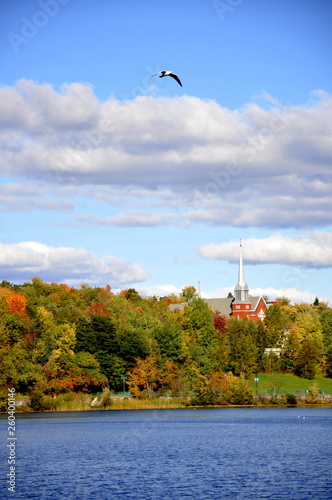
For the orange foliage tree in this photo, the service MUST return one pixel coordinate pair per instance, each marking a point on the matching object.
(17, 304)
(144, 377)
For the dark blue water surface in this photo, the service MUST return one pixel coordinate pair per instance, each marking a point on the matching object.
(173, 454)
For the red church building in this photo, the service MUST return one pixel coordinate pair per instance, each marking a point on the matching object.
(242, 305)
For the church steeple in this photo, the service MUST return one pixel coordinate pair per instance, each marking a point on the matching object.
(241, 290)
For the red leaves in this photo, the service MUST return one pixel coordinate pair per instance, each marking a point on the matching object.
(220, 323)
(98, 310)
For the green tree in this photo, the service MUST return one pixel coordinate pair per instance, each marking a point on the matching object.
(325, 316)
(198, 322)
(200, 338)
(290, 351)
(308, 359)
(115, 348)
(97, 336)
(169, 338)
(132, 295)
(243, 350)
(132, 344)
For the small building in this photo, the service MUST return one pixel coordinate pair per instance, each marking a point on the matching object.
(242, 305)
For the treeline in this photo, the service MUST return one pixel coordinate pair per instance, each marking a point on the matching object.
(54, 338)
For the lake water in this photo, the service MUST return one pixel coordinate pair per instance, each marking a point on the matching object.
(227, 453)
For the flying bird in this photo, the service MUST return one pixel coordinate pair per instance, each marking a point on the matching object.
(168, 73)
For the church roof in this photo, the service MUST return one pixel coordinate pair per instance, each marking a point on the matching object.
(255, 300)
(223, 306)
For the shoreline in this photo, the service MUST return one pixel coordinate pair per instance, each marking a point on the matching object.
(146, 405)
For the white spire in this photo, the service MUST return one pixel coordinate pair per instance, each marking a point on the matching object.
(241, 279)
(241, 288)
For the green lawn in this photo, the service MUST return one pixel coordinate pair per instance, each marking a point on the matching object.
(270, 383)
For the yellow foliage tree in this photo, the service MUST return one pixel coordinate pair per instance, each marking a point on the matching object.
(144, 377)
(172, 377)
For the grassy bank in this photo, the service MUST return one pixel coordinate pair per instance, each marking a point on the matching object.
(280, 383)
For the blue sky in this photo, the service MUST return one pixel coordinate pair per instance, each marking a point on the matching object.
(110, 176)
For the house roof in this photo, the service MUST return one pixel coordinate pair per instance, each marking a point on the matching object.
(177, 307)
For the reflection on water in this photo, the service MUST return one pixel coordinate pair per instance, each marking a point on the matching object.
(173, 454)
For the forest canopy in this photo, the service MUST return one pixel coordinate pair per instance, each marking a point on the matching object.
(55, 338)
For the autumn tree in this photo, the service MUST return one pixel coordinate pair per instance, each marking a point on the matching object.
(173, 377)
(220, 323)
(277, 321)
(98, 309)
(74, 372)
(17, 304)
(237, 391)
(144, 378)
(189, 292)
(221, 388)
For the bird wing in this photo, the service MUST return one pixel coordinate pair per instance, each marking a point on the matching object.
(157, 73)
(176, 78)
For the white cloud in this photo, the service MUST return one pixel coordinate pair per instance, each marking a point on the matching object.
(258, 166)
(64, 264)
(312, 250)
(39, 110)
(158, 290)
(126, 219)
(30, 196)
